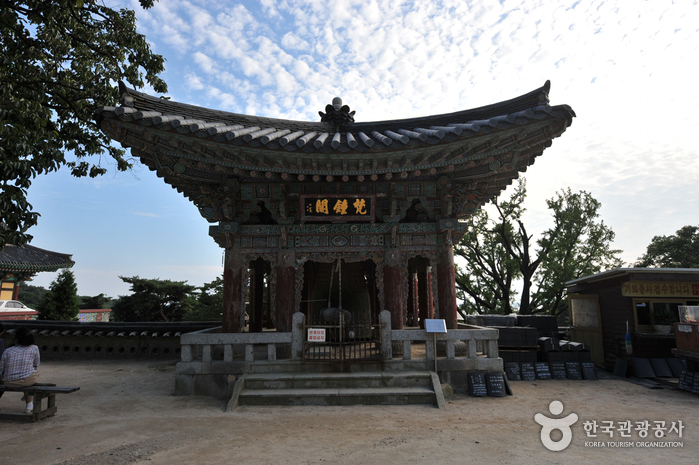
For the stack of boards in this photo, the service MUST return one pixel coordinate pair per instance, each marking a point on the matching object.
(528, 371)
(689, 381)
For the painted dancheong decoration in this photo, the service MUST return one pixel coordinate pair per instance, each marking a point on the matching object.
(289, 199)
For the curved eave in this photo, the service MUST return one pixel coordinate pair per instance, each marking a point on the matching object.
(268, 135)
(30, 259)
(478, 151)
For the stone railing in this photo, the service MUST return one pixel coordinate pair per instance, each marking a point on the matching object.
(487, 338)
(476, 339)
(210, 359)
(198, 346)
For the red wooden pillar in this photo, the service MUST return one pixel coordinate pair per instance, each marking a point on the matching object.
(233, 307)
(286, 291)
(413, 299)
(430, 299)
(422, 294)
(393, 289)
(446, 285)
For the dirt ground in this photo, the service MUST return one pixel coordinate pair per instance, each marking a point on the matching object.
(125, 413)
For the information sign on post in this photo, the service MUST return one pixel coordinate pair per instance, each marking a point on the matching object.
(316, 334)
(435, 326)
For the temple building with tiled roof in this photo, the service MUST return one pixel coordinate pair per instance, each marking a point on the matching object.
(296, 203)
(21, 262)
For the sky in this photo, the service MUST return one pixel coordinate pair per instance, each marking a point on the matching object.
(627, 68)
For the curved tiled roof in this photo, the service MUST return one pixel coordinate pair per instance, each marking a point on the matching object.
(27, 258)
(300, 136)
(480, 150)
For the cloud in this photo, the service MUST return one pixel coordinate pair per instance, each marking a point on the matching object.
(291, 41)
(627, 68)
(147, 214)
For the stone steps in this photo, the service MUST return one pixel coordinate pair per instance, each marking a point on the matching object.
(349, 396)
(338, 380)
(377, 388)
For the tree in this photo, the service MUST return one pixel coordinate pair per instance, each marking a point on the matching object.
(154, 300)
(500, 251)
(60, 61)
(485, 285)
(209, 303)
(93, 302)
(680, 250)
(32, 296)
(61, 302)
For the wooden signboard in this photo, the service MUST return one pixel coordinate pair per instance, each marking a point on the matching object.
(338, 207)
(660, 289)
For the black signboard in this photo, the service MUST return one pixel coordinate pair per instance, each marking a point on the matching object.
(588, 371)
(338, 207)
(476, 384)
(573, 370)
(686, 380)
(695, 384)
(495, 383)
(512, 371)
(542, 370)
(558, 370)
(528, 372)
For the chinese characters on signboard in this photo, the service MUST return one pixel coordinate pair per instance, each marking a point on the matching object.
(337, 207)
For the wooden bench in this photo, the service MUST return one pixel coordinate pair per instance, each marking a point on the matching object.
(39, 391)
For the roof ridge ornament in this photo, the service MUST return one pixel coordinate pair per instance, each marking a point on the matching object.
(337, 113)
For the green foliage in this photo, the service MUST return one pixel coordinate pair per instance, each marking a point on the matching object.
(164, 300)
(208, 305)
(32, 296)
(499, 252)
(153, 300)
(485, 285)
(61, 302)
(664, 317)
(93, 303)
(578, 245)
(680, 250)
(60, 60)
